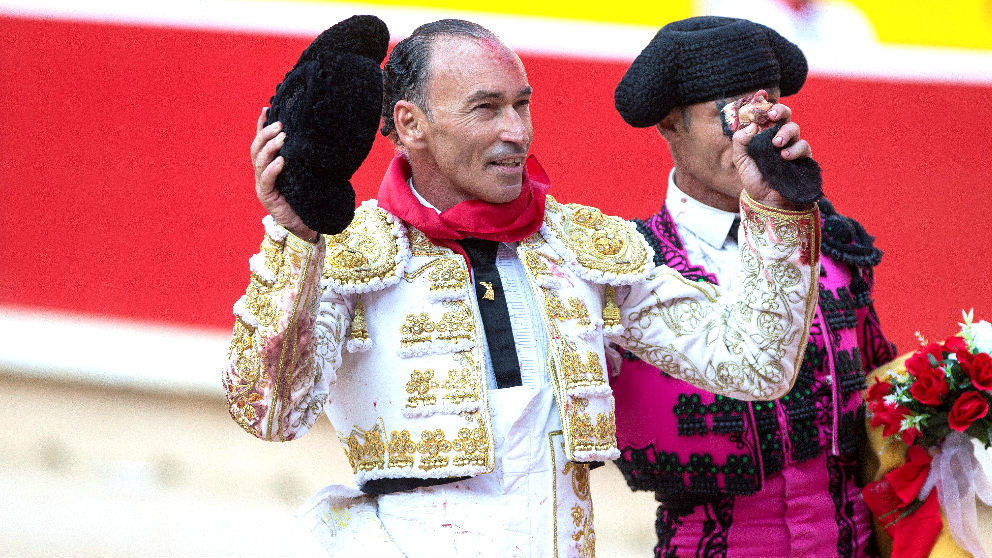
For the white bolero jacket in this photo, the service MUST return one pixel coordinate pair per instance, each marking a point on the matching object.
(376, 327)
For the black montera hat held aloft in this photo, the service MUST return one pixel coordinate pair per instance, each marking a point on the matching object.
(329, 105)
(705, 58)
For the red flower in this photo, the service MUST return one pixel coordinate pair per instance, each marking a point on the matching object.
(979, 369)
(920, 361)
(964, 357)
(910, 435)
(878, 390)
(889, 417)
(930, 386)
(970, 407)
(954, 344)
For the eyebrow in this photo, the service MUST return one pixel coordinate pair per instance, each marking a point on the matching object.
(482, 95)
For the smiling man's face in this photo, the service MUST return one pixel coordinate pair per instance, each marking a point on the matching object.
(478, 130)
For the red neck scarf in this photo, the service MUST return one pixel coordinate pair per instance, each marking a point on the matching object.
(502, 222)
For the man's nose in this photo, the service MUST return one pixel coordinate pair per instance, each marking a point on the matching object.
(514, 128)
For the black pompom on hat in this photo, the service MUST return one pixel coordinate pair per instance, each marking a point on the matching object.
(702, 59)
(329, 104)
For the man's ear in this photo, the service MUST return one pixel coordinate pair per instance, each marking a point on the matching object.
(410, 121)
(670, 124)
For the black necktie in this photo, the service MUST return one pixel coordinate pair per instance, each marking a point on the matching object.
(733, 229)
(492, 307)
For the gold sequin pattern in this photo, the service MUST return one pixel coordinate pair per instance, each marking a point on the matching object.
(471, 447)
(445, 274)
(556, 309)
(587, 435)
(365, 251)
(434, 450)
(577, 373)
(602, 243)
(365, 448)
(455, 324)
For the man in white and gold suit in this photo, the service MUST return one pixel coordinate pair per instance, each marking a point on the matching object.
(455, 332)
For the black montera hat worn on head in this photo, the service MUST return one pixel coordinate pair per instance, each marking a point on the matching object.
(329, 105)
(705, 58)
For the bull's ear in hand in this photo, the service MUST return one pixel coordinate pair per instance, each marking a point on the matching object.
(329, 104)
(798, 181)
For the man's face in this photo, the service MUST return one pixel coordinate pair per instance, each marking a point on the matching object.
(703, 154)
(479, 131)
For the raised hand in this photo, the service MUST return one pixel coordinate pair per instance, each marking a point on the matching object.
(789, 147)
(264, 157)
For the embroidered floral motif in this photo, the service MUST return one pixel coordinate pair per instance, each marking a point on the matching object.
(420, 386)
(577, 373)
(460, 386)
(434, 449)
(365, 448)
(457, 324)
(557, 310)
(607, 245)
(418, 328)
(582, 515)
(589, 436)
(446, 275)
(369, 251)
(472, 445)
(272, 254)
(420, 245)
(402, 450)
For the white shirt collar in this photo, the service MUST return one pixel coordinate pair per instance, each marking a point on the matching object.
(710, 224)
(424, 202)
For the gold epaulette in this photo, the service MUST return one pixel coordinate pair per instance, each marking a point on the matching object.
(369, 255)
(600, 248)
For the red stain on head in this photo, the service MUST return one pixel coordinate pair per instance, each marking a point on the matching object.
(499, 51)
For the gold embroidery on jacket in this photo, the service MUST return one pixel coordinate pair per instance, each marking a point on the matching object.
(537, 263)
(454, 325)
(434, 450)
(402, 450)
(589, 436)
(365, 448)
(582, 516)
(417, 328)
(472, 444)
(611, 312)
(419, 387)
(365, 251)
(577, 373)
(444, 274)
(601, 243)
(556, 309)
(768, 285)
(420, 245)
(359, 326)
(460, 386)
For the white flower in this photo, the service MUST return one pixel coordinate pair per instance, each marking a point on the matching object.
(979, 337)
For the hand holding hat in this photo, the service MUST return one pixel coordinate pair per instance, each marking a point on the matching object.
(328, 106)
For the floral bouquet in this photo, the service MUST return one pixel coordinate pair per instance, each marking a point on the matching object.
(939, 407)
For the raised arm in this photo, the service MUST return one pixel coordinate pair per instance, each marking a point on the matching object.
(286, 343)
(747, 342)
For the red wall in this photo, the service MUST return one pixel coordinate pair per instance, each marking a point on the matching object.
(126, 187)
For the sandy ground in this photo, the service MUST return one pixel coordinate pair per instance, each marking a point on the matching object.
(92, 471)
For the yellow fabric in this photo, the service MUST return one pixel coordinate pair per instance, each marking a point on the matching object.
(886, 455)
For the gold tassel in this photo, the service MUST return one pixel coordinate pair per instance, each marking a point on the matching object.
(611, 312)
(359, 327)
